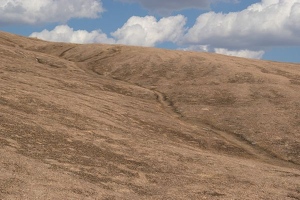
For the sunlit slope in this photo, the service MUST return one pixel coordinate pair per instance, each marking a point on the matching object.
(119, 122)
(258, 101)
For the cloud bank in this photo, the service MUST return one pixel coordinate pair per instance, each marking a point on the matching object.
(240, 53)
(147, 31)
(265, 24)
(140, 31)
(64, 33)
(245, 53)
(247, 33)
(44, 11)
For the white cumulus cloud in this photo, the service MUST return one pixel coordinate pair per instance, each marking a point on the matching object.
(43, 11)
(247, 33)
(265, 24)
(64, 33)
(240, 53)
(245, 53)
(201, 48)
(147, 31)
(139, 31)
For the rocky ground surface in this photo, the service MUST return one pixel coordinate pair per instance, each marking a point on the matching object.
(120, 122)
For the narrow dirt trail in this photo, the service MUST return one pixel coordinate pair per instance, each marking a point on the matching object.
(168, 107)
(258, 152)
(115, 122)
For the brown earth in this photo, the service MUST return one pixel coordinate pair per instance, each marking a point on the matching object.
(120, 122)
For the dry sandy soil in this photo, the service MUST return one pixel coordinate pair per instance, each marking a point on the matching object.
(119, 122)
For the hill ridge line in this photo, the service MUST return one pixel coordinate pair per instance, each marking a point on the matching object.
(104, 121)
(168, 106)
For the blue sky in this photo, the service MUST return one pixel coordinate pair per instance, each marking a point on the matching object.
(260, 29)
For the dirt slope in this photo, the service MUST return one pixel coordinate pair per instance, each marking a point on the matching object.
(119, 122)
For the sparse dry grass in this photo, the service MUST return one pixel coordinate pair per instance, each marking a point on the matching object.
(119, 122)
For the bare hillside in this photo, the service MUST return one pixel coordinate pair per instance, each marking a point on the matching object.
(120, 122)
